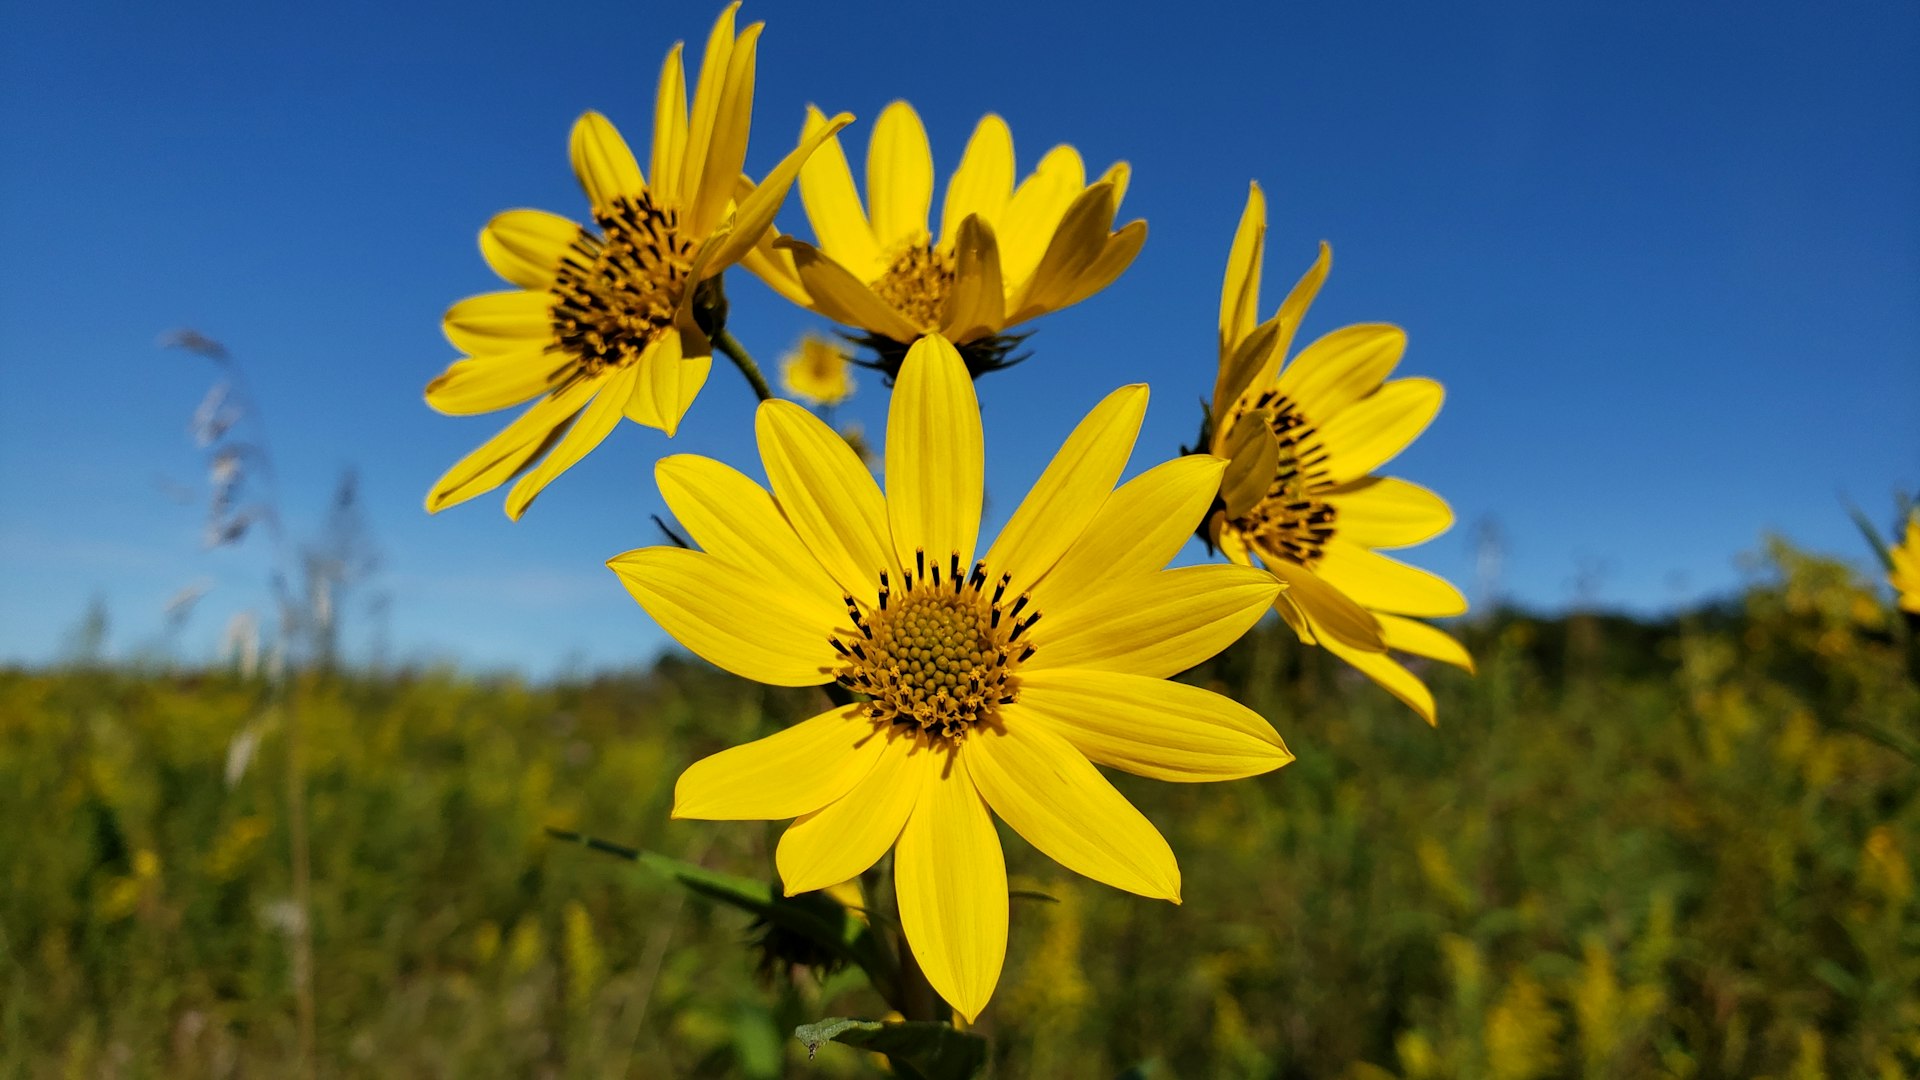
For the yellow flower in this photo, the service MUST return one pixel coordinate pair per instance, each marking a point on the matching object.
(1905, 575)
(1003, 254)
(1298, 493)
(601, 323)
(817, 372)
(988, 684)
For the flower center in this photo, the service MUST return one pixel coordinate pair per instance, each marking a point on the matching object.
(939, 653)
(916, 283)
(1292, 520)
(617, 291)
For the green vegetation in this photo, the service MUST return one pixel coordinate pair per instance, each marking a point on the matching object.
(1683, 850)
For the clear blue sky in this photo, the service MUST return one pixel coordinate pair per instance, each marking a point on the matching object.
(1665, 258)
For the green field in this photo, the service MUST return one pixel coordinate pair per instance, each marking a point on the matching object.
(1684, 849)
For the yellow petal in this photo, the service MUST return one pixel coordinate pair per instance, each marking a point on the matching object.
(667, 382)
(1253, 456)
(1295, 616)
(844, 838)
(899, 177)
(791, 772)
(753, 217)
(935, 457)
(1036, 208)
(500, 322)
(1292, 311)
(1240, 292)
(525, 246)
(1149, 727)
(1238, 369)
(1329, 613)
(1071, 491)
(774, 267)
(828, 496)
(833, 205)
(984, 181)
(1113, 260)
(485, 383)
(1371, 432)
(1228, 539)
(1342, 367)
(1158, 625)
(670, 128)
(1387, 512)
(727, 148)
(602, 162)
(951, 882)
(976, 305)
(1385, 584)
(596, 420)
(708, 90)
(759, 629)
(1076, 245)
(842, 297)
(1119, 174)
(499, 458)
(1138, 529)
(1054, 797)
(735, 520)
(1412, 636)
(1389, 673)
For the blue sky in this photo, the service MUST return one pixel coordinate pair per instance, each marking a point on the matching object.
(1665, 258)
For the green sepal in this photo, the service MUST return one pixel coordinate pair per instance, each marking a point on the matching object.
(1874, 539)
(815, 916)
(915, 1048)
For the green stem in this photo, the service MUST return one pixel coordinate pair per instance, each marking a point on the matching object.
(725, 342)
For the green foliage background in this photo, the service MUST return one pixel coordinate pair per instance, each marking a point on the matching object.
(1683, 849)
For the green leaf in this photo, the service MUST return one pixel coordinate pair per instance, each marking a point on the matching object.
(927, 1050)
(815, 916)
(1872, 534)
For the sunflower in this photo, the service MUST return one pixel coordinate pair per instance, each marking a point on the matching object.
(1904, 572)
(1299, 494)
(1003, 255)
(818, 372)
(601, 322)
(989, 684)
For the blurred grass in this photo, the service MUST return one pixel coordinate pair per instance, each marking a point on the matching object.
(1682, 849)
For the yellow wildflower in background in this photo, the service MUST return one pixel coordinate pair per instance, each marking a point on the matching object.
(989, 683)
(818, 372)
(600, 324)
(1905, 575)
(1003, 254)
(1299, 494)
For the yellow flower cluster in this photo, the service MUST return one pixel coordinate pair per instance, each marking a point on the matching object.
(969, 680)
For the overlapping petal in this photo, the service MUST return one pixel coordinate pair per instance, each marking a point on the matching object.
(1137, 531)
(951, 881)
(734, 519)
(1159, 625)
(486, 383)
(756, 781)
(828, 496)
(1071, 491)
(844, 838)
(1151, 727)
(1054, 797)
(935, 457)
(756, 629)
(899, 177)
